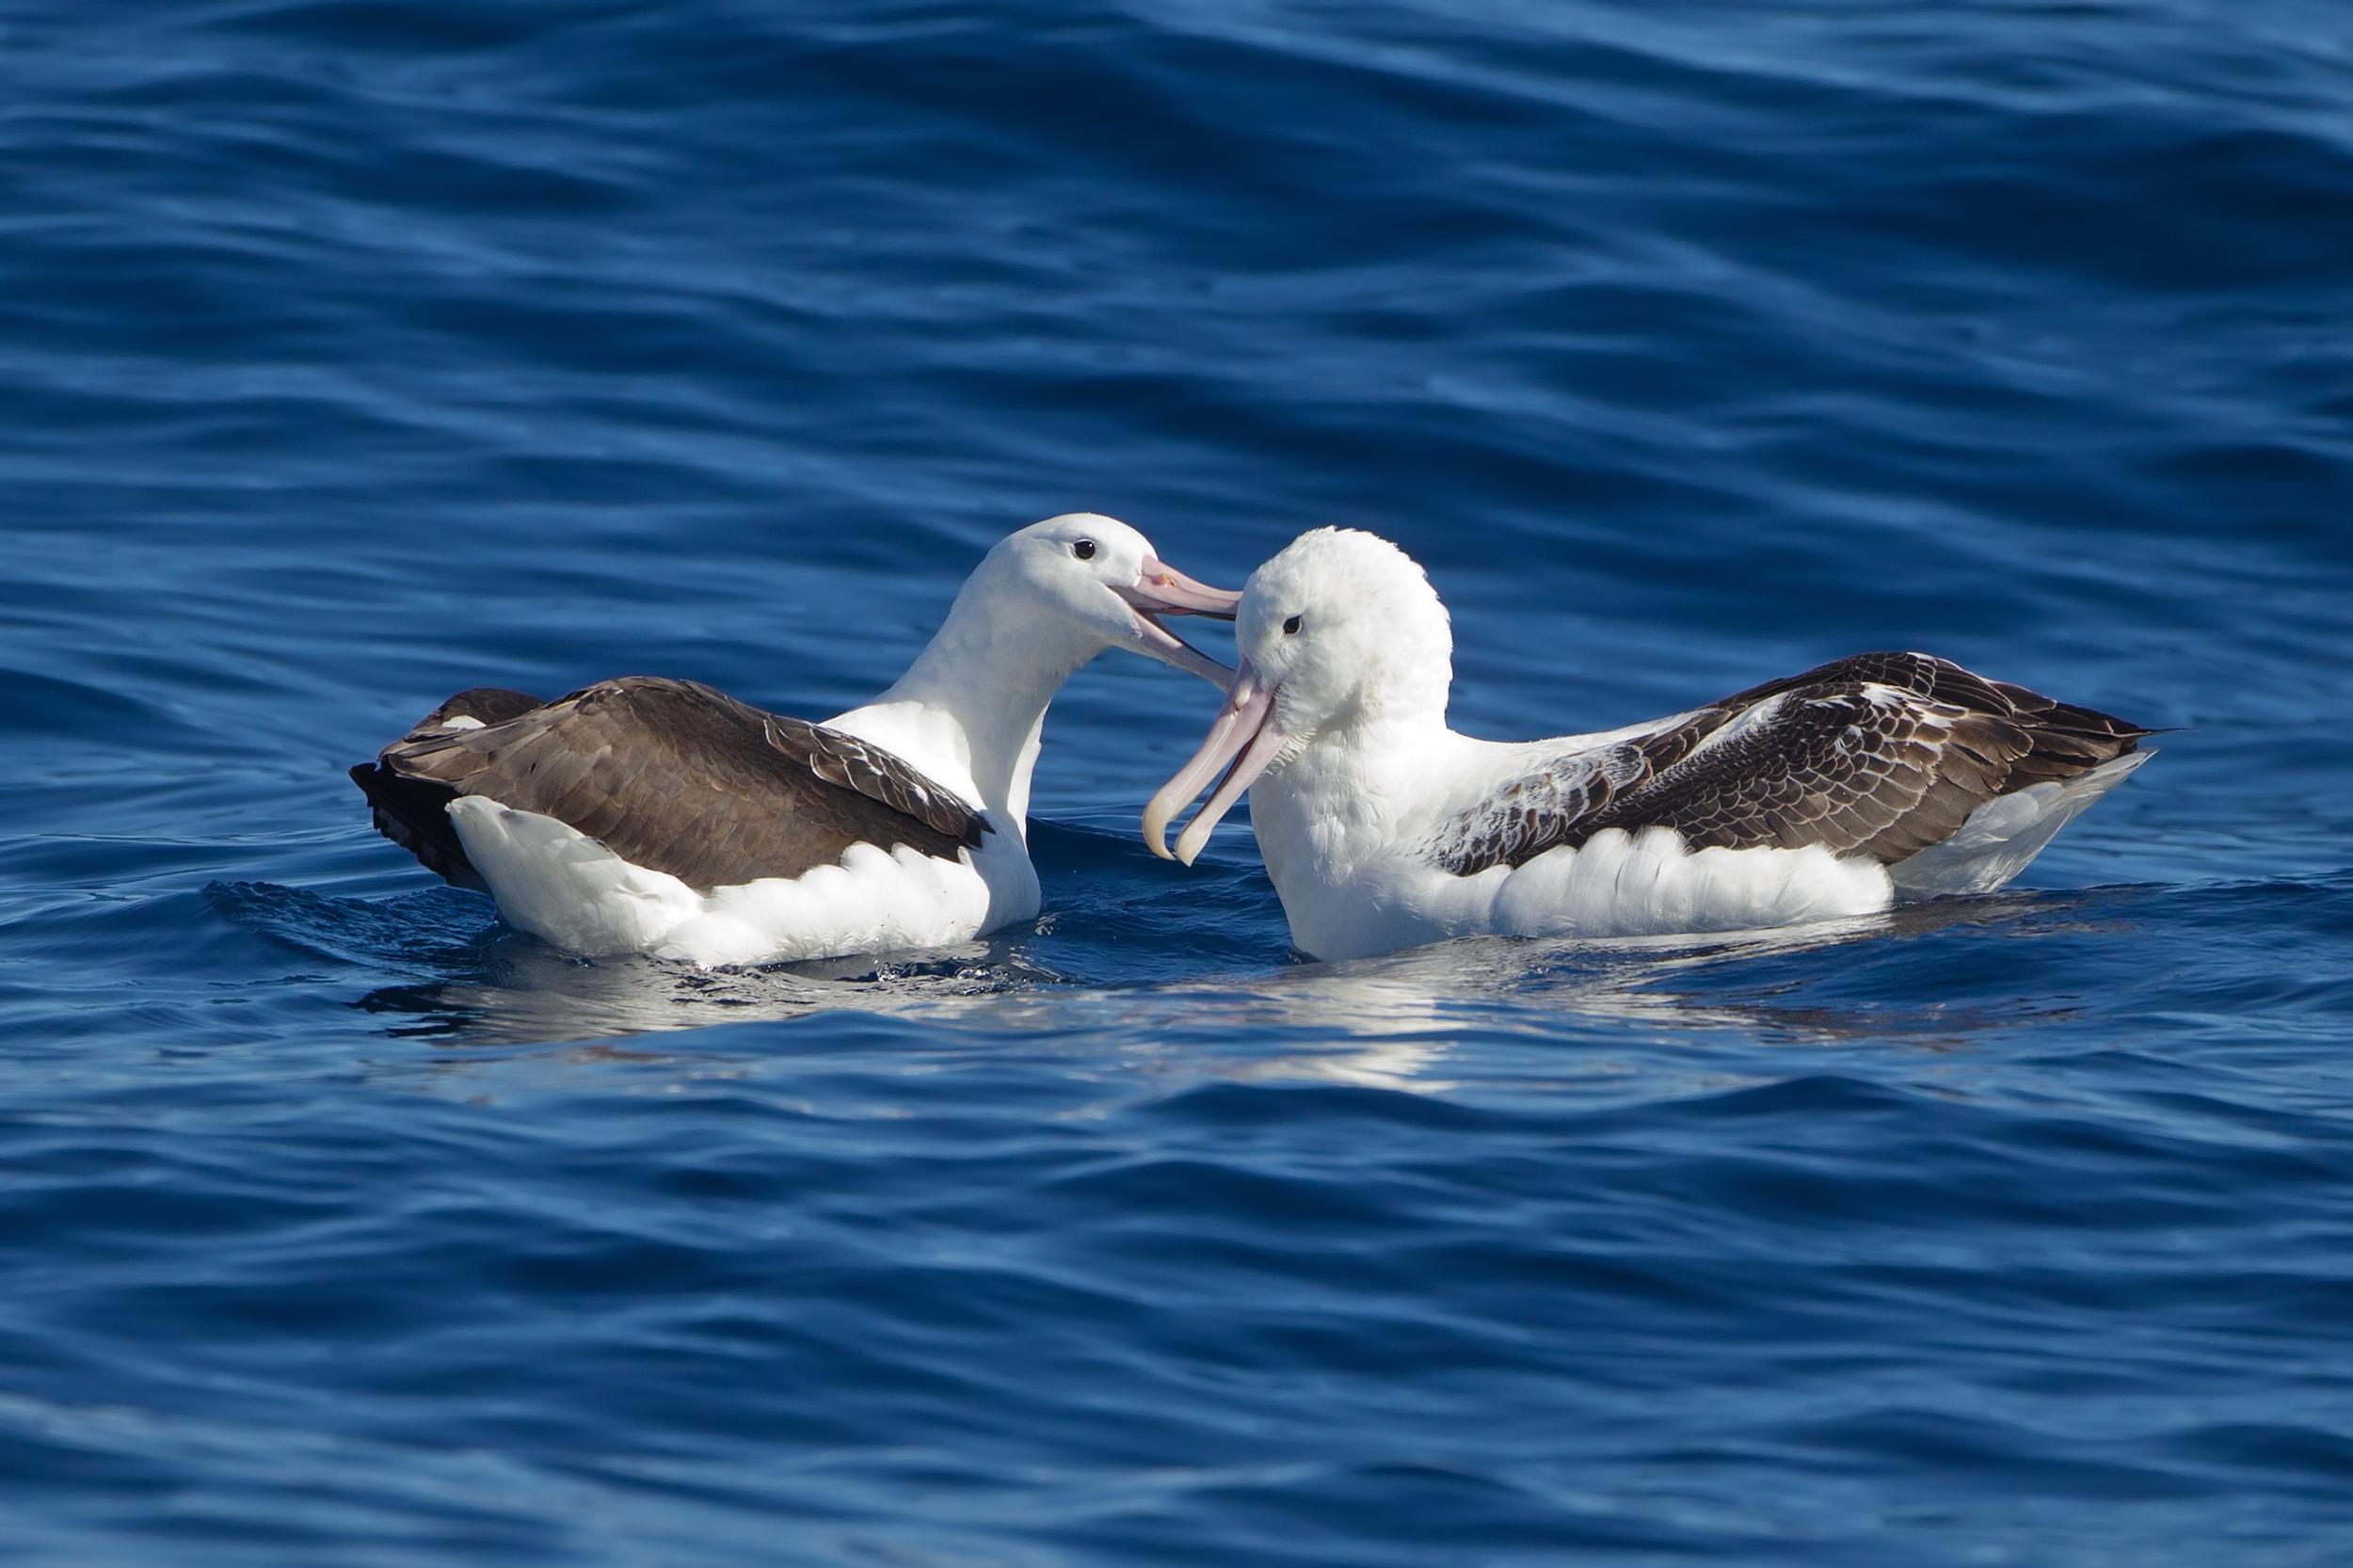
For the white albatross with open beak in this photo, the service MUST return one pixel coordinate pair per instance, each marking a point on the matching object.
(652, 815)
(1833, 792)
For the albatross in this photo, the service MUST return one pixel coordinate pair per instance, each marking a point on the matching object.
(1874, 779)
(659, 816)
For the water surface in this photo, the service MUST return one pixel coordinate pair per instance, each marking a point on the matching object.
(354, 353)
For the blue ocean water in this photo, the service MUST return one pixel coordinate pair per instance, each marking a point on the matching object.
(356, 351)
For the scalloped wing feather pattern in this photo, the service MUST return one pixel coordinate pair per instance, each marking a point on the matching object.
(1880, 755)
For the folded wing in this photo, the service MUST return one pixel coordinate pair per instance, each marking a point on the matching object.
(669, 774)
(1880, 754)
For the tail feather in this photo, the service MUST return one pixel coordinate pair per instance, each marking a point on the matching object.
(413, 814)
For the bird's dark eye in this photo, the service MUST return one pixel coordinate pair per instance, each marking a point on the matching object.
(1084, 549)
(1290, 627)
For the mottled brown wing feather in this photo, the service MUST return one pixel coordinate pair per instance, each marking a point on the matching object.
(1852, 766)
(1881, 754)
(1554, 806)
(677, 777)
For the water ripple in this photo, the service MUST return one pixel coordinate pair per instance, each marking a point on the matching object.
(352, 353)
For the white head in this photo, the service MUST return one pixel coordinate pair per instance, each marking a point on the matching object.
(1338, 634)
(1101, 580)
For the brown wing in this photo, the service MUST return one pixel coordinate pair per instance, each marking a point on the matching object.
(1881, 754)
(673, 776)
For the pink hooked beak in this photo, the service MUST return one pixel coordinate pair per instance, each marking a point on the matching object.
(1244, 734)
(1162, 590)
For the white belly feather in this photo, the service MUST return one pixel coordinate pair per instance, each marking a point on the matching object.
(1615, 886)
(569, 890)
(1648, 884)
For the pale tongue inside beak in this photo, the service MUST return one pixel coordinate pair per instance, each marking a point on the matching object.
(1244, 734)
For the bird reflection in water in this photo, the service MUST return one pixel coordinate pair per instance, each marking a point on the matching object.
(1386, 1022)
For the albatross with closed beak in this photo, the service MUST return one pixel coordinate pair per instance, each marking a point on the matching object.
(1838, 792)
(658, 816)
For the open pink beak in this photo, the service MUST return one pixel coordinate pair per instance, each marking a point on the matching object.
(1161, 590)
(1245, 735)
(1164, 590)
